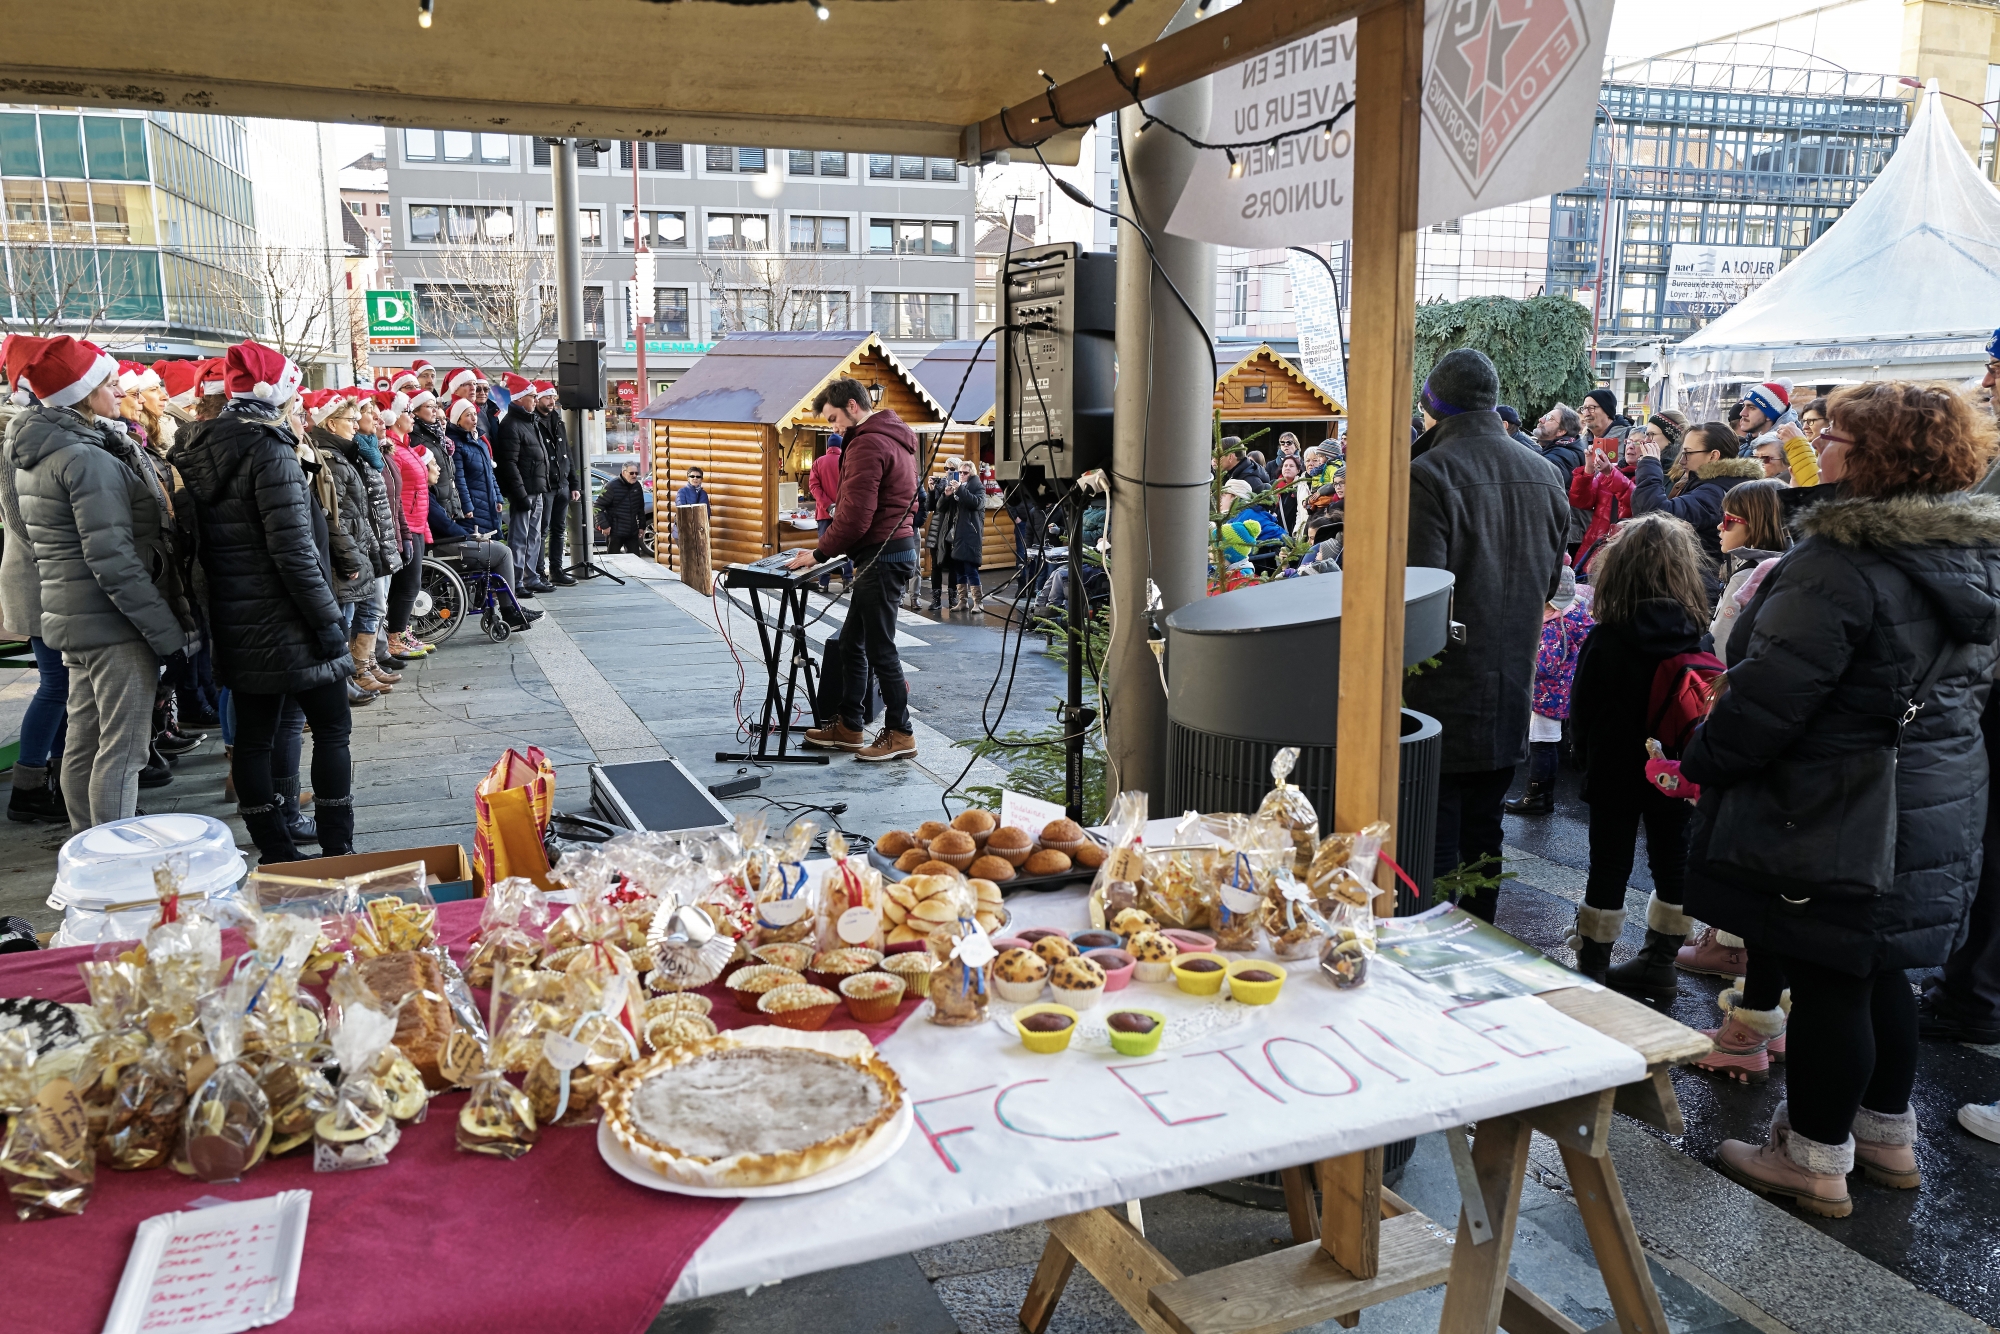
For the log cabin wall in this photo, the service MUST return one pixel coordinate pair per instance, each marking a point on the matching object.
(736, 460)
(1263, 390)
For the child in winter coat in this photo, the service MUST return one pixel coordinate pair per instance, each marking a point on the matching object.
(1566, 623)
(1651, 604)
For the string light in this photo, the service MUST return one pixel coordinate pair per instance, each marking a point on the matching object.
(822, 13)
(1117, 7)
(424, 13)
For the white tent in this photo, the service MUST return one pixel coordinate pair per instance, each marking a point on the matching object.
(1906, 283)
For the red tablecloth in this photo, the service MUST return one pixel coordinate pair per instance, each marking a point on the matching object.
(437, 1241)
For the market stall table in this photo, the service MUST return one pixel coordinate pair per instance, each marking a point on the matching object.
(1005, 1137)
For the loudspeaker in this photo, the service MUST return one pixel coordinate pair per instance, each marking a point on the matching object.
(1057, 362)
(580, 373)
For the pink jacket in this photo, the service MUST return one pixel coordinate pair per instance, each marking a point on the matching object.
(824, 481)
(416, 495)
(1608, 496)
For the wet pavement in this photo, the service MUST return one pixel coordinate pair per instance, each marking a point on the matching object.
(1945, 1237)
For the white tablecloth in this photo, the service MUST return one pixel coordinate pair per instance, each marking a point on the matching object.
(1006, 1137)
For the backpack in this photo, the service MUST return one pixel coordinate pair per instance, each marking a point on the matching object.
(1684, 689)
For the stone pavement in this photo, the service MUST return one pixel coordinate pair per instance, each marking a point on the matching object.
(635, 672)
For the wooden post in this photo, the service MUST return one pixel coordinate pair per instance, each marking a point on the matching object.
(691, 528)
(1388, 79)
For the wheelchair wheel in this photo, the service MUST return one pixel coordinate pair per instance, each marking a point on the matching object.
(497, 629)
(442, 603)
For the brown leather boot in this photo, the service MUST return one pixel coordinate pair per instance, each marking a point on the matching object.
(1810, 1174)
(362, 649)
(1885, 1148)
(372, 655)
(888, 744)
(837, 735)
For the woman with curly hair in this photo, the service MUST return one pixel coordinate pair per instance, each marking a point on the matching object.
(1844, 778)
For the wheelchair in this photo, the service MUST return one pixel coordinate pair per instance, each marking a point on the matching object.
(448, 595)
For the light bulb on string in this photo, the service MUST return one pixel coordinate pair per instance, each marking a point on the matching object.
(1117, 7)
(1235, 167)
(822, 13)
(424, 13)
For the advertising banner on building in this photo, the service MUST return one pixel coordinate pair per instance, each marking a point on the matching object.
(392, 319)
(1709, 279)
(1316, 309)
(1509, 92)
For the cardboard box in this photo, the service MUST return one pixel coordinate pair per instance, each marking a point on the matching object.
(450, 870)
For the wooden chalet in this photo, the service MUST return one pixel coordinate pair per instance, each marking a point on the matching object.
(743, 414)
(1264, 389)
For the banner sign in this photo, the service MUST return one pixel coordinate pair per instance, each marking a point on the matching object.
(1709, 279)
(1316, 310)
(1509, 92)
(392, 319)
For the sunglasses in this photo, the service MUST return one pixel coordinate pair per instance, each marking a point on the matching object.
(1734, 520)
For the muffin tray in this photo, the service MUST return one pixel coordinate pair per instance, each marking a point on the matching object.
(887, 866)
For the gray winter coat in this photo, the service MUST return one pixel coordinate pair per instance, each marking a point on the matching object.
(97, 532)
(20, 585)
(1494, 515)
(1822, 663)
(353, 539)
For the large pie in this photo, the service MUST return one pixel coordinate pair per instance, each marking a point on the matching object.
(722, 1112)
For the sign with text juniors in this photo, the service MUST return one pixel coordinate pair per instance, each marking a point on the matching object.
(1509, 97)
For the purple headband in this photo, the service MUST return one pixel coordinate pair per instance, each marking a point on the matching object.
(1438, 407)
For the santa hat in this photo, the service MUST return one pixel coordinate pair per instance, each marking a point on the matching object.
(252, 370)
(545, 388)
(128, 376)
(66, 370)
(463, 378)
(405, 380)
(418, 366)
(324, 407)
(16, 351)
(418, 399)
(463, 407)
(211, 378)
(1771, 399)
(181, 380)
(516, 386)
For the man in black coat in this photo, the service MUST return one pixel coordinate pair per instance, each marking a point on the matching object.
(521, 458)
(1493, 514)
(565, 479)
(1235, 465)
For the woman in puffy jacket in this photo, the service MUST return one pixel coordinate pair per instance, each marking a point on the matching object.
(478, 487)
(372, 462)
(357, 541)
(278, 629)
(1879, 629)
(411, 462)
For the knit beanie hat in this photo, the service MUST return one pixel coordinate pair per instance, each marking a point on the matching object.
(1605, 399)
(1462, 381)
(1770, 399)
(1671, 429)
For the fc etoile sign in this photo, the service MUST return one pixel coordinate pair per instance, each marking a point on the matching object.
(1509, 92)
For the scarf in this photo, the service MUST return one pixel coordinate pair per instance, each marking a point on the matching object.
(371, 449)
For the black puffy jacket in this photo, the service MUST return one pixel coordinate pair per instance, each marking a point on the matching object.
(520, 457)
(1823, 662)
(270, 597)
(1696, 499)
(623, 505)
(562, 464)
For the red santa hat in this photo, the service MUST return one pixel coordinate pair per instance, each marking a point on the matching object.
(128, 376)
(404, 380)
(463, 407)
(545, 388)
(418, 399)
(65, 370)
(181, 380)
(516, 386)
(325, 405)
(418, 366)
(16, 351)
(210, 379)
(251, 370)
(461, 379)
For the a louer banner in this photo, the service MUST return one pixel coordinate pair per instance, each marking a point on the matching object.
(1509, 92)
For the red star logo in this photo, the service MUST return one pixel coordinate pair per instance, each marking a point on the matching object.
(1486, 50)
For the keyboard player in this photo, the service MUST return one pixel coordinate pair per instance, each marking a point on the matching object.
(873, 527)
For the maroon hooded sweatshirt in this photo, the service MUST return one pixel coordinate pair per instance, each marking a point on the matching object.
(878, 488)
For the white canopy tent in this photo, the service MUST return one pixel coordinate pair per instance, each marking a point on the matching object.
(1906, 284)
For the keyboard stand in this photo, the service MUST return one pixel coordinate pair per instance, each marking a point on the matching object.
(782, 634)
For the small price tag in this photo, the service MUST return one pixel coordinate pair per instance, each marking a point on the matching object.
(614, 994)
(1292, 890)
(1127, 863)
(563, 1052)
(857, 925)
(783, 912)
(1240, 901)
(974, 950)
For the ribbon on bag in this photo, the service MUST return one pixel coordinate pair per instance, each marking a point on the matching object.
(511, 807)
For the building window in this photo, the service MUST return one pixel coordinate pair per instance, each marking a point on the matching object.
(905, 236)
(455, 146)
(382, 209)
(915, 314)
(20, 149)
(885, 167)
(589, 226)
(652, 156)
(819, 234)
(538, 152)
(670, 313)
(807, 162)
(666, 229)
(593, 312)
(461, 224)
(1449, 227)
(747, 160)
(115, 148)
(739, 231)
(820, 310)
(586, 155)
(736, 310)
(62, 146)
(357, 207)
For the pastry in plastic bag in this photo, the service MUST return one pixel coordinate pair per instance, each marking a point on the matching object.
(565, 1083)
(855, 905)
(961, 988)
(295, 1084)
(227, 1126)
(1290, 809)
(513, 911)
(145, 1114)
(45, 1160)
(784, 898)
(497, 1120)
(1115, 887)
(359, 1130)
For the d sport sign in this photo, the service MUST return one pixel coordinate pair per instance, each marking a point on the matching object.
(1507, 112)
(392, 319)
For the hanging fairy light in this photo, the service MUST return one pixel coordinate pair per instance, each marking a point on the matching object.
(424, 13)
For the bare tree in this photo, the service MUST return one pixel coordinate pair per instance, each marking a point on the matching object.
(61, 289)
(493, 305)
(291, 298)
(779, 290)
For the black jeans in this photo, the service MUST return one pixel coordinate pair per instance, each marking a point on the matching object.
(403, 587)
(1614, 837)
(868, 639)
(1851, 1042)
(1469, 831)
(1972, 973)
(1763, 979)
(1543, 757)
(325, 707)
(559, 503)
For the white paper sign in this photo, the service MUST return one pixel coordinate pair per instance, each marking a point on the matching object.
(1508, 96)
(1316, 310)
(1709, 279)
(214, 1270)
(1029, 813)
(783, 912)
(857, 925)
